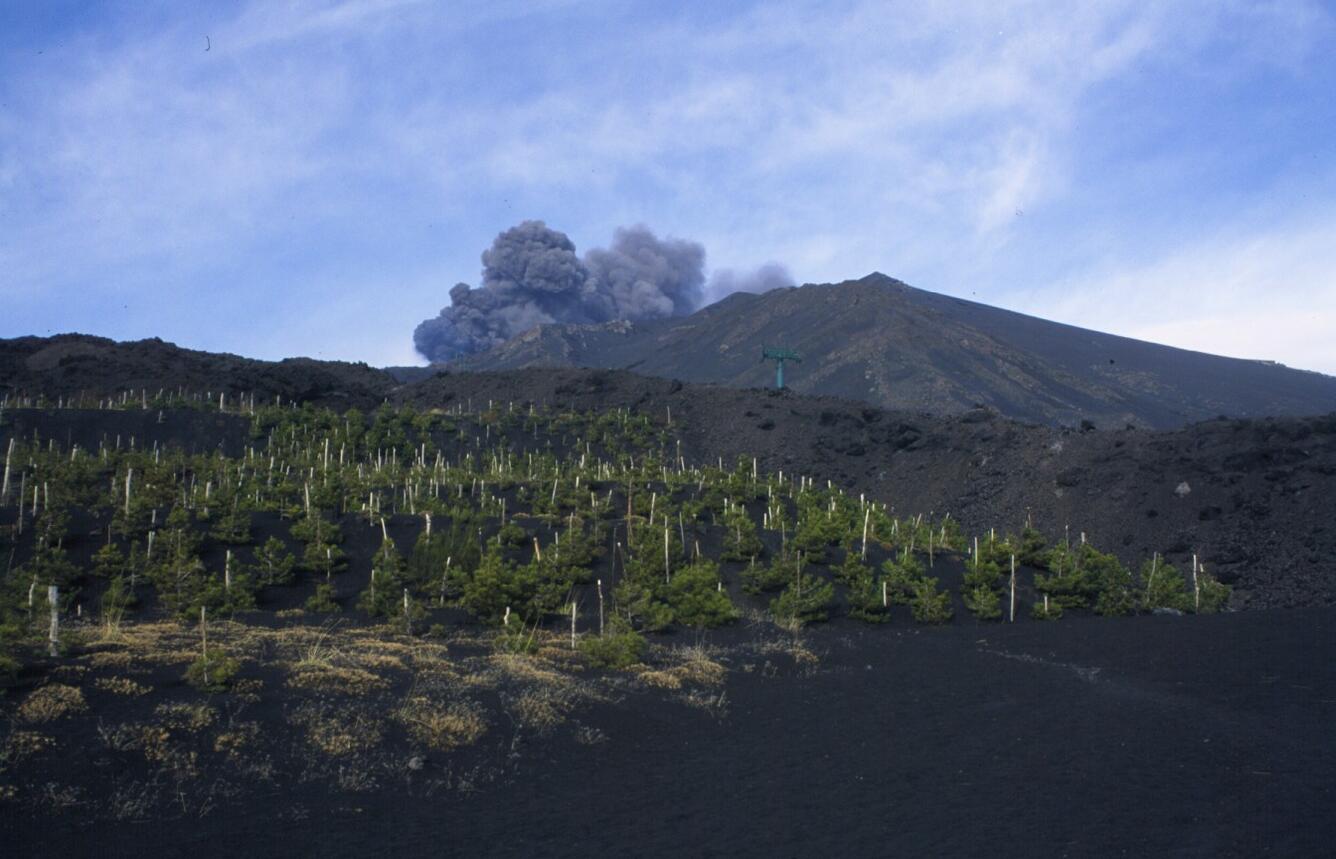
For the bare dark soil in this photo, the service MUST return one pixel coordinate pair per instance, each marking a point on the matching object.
(1204, 736)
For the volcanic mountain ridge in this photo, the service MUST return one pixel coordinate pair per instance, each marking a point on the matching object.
(886, 343)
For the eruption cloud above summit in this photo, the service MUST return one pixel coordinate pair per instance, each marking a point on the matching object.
(532, 275)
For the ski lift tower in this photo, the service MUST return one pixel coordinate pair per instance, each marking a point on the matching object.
(779, 356)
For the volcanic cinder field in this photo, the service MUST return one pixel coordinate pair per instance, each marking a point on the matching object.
(795, 623)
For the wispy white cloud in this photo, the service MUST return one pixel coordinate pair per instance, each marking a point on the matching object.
(1267, 295)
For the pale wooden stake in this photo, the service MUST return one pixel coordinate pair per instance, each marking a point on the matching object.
(572, 625)
(53, 640)
(204, 642)
(4, 490)
(600, 608)
(1012, 618)
(1196, 588)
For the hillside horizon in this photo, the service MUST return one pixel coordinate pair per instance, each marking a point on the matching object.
(882, 341)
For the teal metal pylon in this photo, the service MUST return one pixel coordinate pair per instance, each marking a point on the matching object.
(779, 356)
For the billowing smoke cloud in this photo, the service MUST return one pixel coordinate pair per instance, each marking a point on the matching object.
(726, 281)
(532, 275)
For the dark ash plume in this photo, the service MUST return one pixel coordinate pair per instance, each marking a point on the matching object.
(532, 275)
(725, 282)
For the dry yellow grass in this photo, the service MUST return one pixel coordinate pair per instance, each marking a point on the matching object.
(51, 702)
(247, 690)
(338, 732)
(237, 739)
(121, 686)
(524, 667)
(21, 744)
(692, 665)
(441, 727)
(336, 678)
(698, 666)
(190, 718)
(542, 709)
(793, 646)
(660, 679)
(74, 673)
(376, 662)
(109, 659)
(154, 741)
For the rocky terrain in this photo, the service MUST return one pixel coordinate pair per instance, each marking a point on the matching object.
(886, 343)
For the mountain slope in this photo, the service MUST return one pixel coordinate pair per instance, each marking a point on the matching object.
(74, 365)
(887, 343)
(1251, 497)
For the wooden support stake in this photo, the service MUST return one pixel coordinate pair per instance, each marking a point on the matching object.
(204, 641)
(53, 638)
(4, 490)
(1012, 617)
(1196, 588)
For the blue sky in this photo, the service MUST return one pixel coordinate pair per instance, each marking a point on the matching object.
(316, 181)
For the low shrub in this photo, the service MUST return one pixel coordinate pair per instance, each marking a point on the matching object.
(865, 600)
(516, 637)
(1214, 594)
(620, 649)
(757, 579)
(1046, 610)
(901, 576)
(1164, 587)
(696, 599)
(930, 605)
(804, 601)
(984, 602)
(213, 672)
(323, 600)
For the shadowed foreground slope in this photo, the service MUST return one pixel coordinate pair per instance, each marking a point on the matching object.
(1199, 736)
